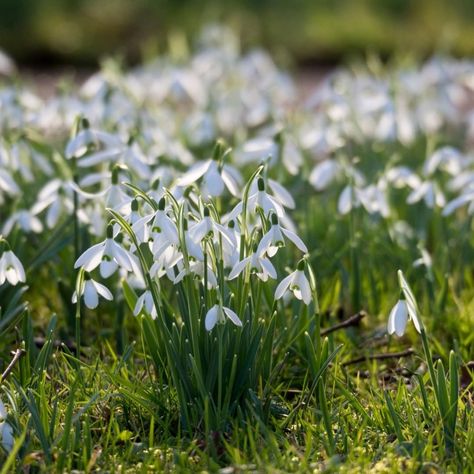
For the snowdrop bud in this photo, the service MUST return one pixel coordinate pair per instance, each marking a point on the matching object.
(206, 212)
(134, 205)
(274, 219)
(156, 184)
(162, 204)
(261, 184)
(301, 264)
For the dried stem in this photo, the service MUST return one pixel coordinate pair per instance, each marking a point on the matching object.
(17, 355)
(352, 321)
(383, 356)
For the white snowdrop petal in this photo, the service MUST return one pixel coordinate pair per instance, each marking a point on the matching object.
(211, 318)
(344, 204)
(107, 268)
(91, 258)
(122, 256)
(139, 305)
(283, 286)
(281, 194)
(232, 316)
(268, 267)
(400, 318)
(213, 182)
(194, 173)
(295, 239)
(238, 268)
(323, 174)
(91, 299)
(102, 290)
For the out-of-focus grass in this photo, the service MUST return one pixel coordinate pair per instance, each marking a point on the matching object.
(81, 31)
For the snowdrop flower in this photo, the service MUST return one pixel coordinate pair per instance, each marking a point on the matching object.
(262, 200)
(398, 318)
(217, 314)
(8, 184)
(465, 198)
(56, 197)
(405, 309)
(448, 158)
(258, 264)
(429, 192)
(230, 244)
(323, 174)
(348, 199)
(197, 269)
(11, 269)
(400, 176)
(374, 199)
(26, 221)
(297, 283)
(87, 137)
(6, 431)
(164, 263)
(193, 248)
(424, 260)
(108, 254)
(215, 178)
(259, 200)
(90, 290)
(280, 194)
(163, 230)
(257, 149)
(113, 195)
(275, 238)
(207, 227)
(145, 301)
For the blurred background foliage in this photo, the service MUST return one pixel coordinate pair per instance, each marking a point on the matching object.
(81, 32)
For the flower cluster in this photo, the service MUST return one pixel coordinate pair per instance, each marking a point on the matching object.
(185, 235)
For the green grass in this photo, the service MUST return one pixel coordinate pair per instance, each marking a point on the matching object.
(108, 411)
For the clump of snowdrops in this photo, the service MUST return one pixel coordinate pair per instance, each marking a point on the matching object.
(199, 276)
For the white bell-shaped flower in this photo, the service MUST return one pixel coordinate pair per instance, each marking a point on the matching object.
(217, 314)
(90, 290)
(297, 283)
(11, 269)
